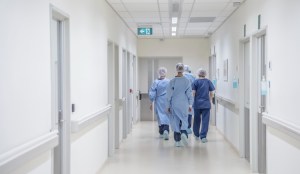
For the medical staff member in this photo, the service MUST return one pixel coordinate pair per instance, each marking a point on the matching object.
(180, 100)
(203, 93)
(187, 73)
(157, 94)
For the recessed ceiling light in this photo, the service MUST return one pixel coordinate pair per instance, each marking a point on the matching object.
(174, 20)
(174, 29)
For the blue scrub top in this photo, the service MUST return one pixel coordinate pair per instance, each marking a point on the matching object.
(202, 87)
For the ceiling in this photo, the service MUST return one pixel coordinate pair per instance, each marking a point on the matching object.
(195, 18)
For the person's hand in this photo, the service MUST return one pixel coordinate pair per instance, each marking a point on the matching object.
(190, 109)
(151, 107)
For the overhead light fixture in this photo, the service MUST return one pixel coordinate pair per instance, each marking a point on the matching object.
(173, 34)
(174, 20)
(174, 29)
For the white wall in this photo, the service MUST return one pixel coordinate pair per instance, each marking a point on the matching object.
(195, 52)
(25, 88)
(282, 41)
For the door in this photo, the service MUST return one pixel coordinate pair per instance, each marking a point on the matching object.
(246, 103)
(262, 96)
(60, 89)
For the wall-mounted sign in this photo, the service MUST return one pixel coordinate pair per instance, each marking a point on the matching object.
(144, 31)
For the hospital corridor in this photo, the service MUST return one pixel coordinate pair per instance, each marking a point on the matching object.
(149, 87)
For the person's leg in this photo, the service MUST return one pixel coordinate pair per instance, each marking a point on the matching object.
(197, 121)
(205, 123)
(165, 129)
(190, 121)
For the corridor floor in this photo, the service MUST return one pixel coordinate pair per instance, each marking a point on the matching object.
(143, 152)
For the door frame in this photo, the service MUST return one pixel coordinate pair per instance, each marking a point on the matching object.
(61, 160)
(242, 121)
(254, 95)
(124, 92)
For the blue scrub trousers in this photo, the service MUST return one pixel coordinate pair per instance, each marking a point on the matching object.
(201, 115)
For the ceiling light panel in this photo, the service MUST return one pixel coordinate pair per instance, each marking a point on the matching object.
(199, 25)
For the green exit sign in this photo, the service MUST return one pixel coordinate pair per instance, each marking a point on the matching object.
(144, 31)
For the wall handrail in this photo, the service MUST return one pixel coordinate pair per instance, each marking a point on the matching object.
(19, 155)
(80, 123)
(225, 99)
(283, 126)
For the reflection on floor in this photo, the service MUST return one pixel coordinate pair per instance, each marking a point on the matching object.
(143, 152)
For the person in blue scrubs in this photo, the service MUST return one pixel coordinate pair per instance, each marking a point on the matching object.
(187, 73)
(203, 93)
(180, 100)
(157, 94)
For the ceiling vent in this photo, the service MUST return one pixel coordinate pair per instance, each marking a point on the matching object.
(175, 7)
(201, 19)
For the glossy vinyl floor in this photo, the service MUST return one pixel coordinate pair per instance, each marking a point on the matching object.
(143, 152)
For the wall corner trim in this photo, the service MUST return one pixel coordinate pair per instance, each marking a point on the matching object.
(283, 126)
(19, 155)
(78, 124)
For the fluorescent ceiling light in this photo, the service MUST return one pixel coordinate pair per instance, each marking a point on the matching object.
(174, 20)
(174, 29)
(173, 34)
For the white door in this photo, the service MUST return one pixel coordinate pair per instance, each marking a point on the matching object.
(60, 89)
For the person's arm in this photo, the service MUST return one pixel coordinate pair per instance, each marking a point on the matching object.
(211, 95)
(152, 94)
(169, 97)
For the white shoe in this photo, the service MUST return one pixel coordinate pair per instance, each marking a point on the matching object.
(184, 139)
(189, 131)
(204, 140)
(166, 135)
(178, 144)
